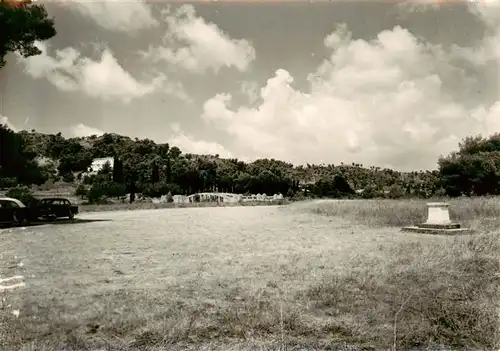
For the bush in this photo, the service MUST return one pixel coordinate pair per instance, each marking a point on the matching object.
(170, 198)
(86, 179)
(98, 191)
(156, 189)
(81, 191)
(7, 182)
(23, 194)
(68, 177)
(396, 192)
(159, 189)
(48, 185)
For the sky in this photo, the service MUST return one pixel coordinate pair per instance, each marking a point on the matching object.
(390, 84)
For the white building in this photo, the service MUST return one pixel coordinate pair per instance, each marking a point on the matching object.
(180, 199)
(98, 164)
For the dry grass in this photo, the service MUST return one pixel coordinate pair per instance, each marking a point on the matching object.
(445, 294)
(148, 205)
(317, 283)
(422, 298)
(477, 212)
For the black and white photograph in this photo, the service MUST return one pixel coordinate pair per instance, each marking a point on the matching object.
(249, 175)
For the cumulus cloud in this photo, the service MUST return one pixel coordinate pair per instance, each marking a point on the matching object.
(250, 90)
(127, 17)
(105, 78)
(379, 102)
(82, 130)
(189, 144)
(198, 46)
(5, 121)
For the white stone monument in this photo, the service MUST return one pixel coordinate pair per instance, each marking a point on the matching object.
(438, 221)
(437, 213)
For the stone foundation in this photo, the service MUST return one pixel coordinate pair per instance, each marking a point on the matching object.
(442, 231)
(438, 222)
(439, 226)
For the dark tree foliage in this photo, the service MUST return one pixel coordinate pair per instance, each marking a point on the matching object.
(106, 170)
(20, 27)
(141, 166)
(341, 185)
(99, 191)
(155, 173)
(16, 162)
(22, 193)
(474, 169)
(118, 170)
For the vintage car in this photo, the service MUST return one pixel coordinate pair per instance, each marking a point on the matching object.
(13, 212)
(55, 208)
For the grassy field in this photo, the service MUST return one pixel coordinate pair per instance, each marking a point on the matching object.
(347, 280)
(452, 286)
(481, 213)
(148, 205)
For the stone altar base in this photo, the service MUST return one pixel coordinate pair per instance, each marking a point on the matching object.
(438, 222)
(445, 230)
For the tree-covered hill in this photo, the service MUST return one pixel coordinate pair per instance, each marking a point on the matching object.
(141, 165)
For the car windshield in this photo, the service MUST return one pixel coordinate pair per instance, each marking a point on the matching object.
(8, 204)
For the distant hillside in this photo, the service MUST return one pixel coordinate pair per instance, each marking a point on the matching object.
(141, 165)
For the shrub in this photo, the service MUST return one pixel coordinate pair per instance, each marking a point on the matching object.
(23, 194)
(98, 191)
(170, 198)
(81, 191)
(156, 189)
(159, 189)
(7, 182)
(68, 177)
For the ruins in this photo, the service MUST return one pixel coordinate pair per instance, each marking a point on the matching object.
(438, 221)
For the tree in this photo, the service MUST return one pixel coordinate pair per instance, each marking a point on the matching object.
(170, 198)
(15, 160)
(118, 170)
(68, 177)
(155, 173)
(20, 27)
(106, 170)
(156, 190)
(26, 157)
(395, 191)
(175, 152)
(324, 188)
(99, 191)
(81, 191)
(471, 174)
(23, 194)
(452, 174)
(342, 186)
